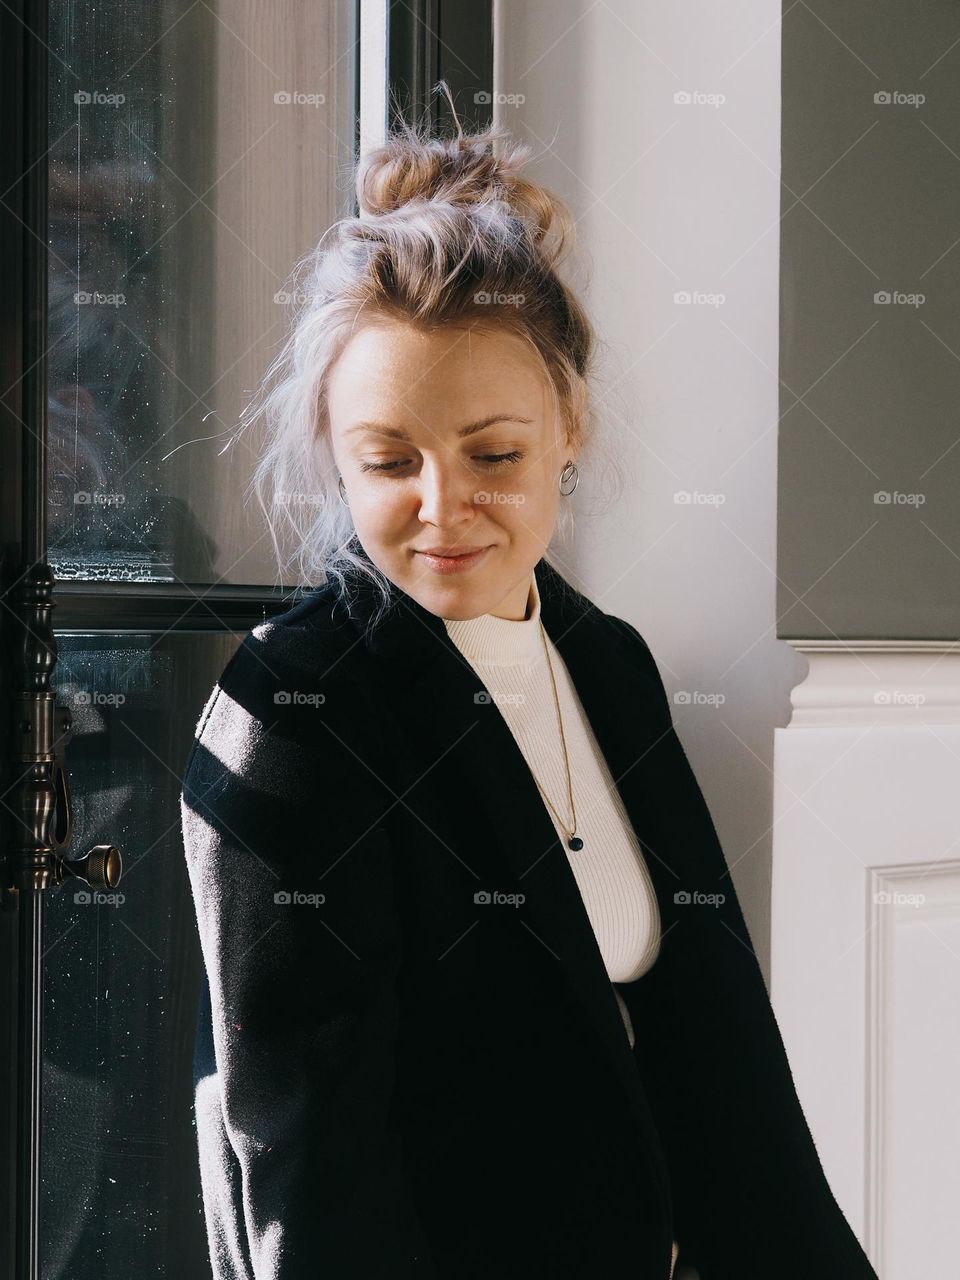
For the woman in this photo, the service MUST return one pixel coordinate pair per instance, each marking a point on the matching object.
(481, 1000)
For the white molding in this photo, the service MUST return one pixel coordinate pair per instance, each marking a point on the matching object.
(865, 935)
(911, 1059)
(373, 73)
(882, 682)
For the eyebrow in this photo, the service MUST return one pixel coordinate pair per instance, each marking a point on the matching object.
(398, 433)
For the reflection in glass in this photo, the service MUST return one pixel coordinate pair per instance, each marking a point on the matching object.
(197, 151)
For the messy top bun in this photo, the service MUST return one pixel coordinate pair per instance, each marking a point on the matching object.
(464, 170)
(449, 233)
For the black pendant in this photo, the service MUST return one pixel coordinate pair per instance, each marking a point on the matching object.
(575, 843)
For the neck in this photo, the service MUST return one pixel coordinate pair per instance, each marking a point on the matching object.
(516, 606)
(500, 640)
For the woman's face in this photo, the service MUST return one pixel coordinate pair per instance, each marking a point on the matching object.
(446, 441)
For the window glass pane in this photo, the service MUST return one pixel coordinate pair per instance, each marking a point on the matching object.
(197, 151)
(120, 1179)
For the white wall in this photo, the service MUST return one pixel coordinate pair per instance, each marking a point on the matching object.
(678, 197)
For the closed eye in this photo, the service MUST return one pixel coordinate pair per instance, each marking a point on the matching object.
(492, 460)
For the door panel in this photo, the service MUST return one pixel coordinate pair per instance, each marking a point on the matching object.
(120, 1188)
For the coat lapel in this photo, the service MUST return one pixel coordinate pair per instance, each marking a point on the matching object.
(433, 688)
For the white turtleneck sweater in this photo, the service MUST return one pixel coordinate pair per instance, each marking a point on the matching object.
(610, 871)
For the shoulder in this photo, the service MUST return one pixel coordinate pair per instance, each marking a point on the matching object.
(308, 640)
(638, 653)
(289, 675)
(287, 736)
(306, 643)
(628, 634)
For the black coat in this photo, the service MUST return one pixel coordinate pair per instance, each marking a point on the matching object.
(406, 1079)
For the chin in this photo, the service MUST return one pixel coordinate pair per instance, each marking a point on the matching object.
(460, 614)
(453, 600)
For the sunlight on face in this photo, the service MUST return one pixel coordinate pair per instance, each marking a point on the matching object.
(448, 441)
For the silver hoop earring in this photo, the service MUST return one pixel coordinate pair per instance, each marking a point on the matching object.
(569, 472)
(342, 491)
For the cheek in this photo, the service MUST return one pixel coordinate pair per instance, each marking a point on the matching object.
(536, 500)
(380, 504)
(382, 510)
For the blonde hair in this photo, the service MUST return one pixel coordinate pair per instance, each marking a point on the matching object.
(449, 233)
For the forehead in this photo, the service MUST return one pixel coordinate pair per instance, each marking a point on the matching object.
(389, 368)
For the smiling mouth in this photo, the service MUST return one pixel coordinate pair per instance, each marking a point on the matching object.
(449, 552)
(454, 563)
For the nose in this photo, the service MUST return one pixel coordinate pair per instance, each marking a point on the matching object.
(447, 492)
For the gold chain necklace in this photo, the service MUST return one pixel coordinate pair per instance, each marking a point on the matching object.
(573, 840)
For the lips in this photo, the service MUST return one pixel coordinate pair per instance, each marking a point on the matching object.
(462, 560)
(450, 552)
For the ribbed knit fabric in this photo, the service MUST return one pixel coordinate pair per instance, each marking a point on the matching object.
(610, 871)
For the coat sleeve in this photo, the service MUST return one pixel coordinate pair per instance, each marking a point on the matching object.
(751, 1196)
(293, 886)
